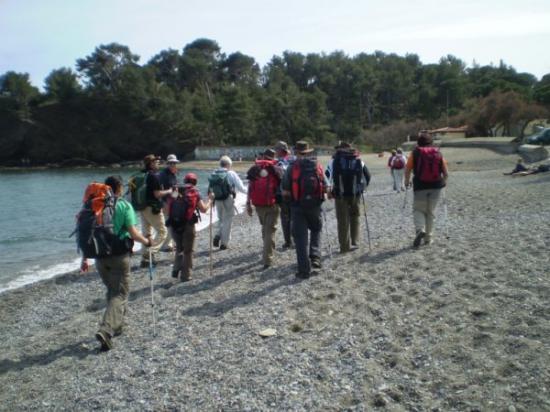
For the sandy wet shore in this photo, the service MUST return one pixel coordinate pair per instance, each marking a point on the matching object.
(461, 325)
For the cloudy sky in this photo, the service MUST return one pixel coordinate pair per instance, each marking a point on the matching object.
(41, 35)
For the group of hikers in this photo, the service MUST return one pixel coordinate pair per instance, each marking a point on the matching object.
(281, 184)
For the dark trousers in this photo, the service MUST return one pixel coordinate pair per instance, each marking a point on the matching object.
(306, 227)
(285, 221)
(185, 240)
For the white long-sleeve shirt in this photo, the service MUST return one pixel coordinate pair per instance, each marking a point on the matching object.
(234, 180)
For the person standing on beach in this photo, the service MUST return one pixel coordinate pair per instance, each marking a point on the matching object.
(397, 166)
(224, 183)
(284, 159)
(168, 180)
(152, 217)
(304, 184)
(182, 217)
(348, 178)
(429, 170)
(115, 270)
(264, 180)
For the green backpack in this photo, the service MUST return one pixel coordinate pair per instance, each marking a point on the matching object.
(218, 183)
(137, 185)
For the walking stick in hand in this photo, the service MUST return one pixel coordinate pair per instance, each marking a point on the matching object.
(152, 290)
(366, 220)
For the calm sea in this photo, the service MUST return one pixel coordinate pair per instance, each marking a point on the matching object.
(38, 210)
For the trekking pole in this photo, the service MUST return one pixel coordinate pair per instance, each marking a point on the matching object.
(210, 242)
(152, 290)
(328, 235)
(366, 220)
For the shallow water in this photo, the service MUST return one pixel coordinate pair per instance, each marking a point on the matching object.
(38, 209)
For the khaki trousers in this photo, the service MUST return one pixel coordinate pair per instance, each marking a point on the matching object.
(347, 217)
(424, 204)
(150, 221)
(115, 274)
(268, 215)
(185, 241)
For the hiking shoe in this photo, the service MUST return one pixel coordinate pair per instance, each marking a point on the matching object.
(186, 278)
(316, 263)
(175, 274)
(144, 264)
(419, 236)
(223, 247)
(216, 241)
(301, 275)
(105, 340)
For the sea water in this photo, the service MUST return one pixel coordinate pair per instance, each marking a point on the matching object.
(38, 210)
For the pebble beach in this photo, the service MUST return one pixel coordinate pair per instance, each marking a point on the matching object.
(462, 324)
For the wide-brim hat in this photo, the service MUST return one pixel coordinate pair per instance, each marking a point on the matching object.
(343, 145)
(281, 146)
(150, 158)
(302, 147)
(269, 154)
(171, 158)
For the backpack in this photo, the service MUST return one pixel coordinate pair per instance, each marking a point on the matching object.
(264, 183)
(182, 210)
(427, 164)
(347, 174)
(218, 183)
(307, 183)
(95, 236)
(137, 185)
(398, 162)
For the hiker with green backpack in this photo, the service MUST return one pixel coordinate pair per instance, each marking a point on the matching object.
(304, 184)
(224, 183)
(106, 228)
(146, 195)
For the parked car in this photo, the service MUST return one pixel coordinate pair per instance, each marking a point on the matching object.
(542, 137)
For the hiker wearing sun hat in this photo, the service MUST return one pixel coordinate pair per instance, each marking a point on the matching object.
(284, 159)
(169, 180)
(304, 184)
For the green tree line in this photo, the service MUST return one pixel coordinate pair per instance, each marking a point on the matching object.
(113, 109)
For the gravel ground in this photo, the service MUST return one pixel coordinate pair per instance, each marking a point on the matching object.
(462, 324)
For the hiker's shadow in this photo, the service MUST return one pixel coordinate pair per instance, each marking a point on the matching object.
(75, 350)
(214, 309)
(382, 256)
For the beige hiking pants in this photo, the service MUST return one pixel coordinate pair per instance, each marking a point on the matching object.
(425, 202)
(150, 221)
(269, 216)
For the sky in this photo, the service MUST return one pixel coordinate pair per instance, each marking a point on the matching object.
(38, 36)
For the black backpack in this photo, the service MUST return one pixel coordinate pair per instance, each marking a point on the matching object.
(347, 175)
(95, 236)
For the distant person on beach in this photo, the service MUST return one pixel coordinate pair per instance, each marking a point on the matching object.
(168, 180)
(429, 170)
(284, 159)
(348, 177)
(115, 270)
(182, 217)
(539, 169)
(152, 217)
(224, 183)
(264, 180)
(397, 167)
(304, 184)
(520, 167)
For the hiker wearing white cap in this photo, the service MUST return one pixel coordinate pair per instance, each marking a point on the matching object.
(168, 180)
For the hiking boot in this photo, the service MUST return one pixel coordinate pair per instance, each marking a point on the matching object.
(316, 263)
(186, 278)
(428, 241)
(105, 340)
(301, 275)
(144, 264)
(223, 247)
(216, 241)
(419, 236)
(175, 274)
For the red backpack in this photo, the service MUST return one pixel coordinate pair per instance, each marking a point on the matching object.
(264, 183)
(428, 164)
(181, 210)
(308, 186)
(398, 162)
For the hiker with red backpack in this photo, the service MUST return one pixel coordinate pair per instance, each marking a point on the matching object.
(183, 214)
(264, 179)
(429, 170)
(348, 178)
(397, 165)
(304, 185)
(106, 229)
